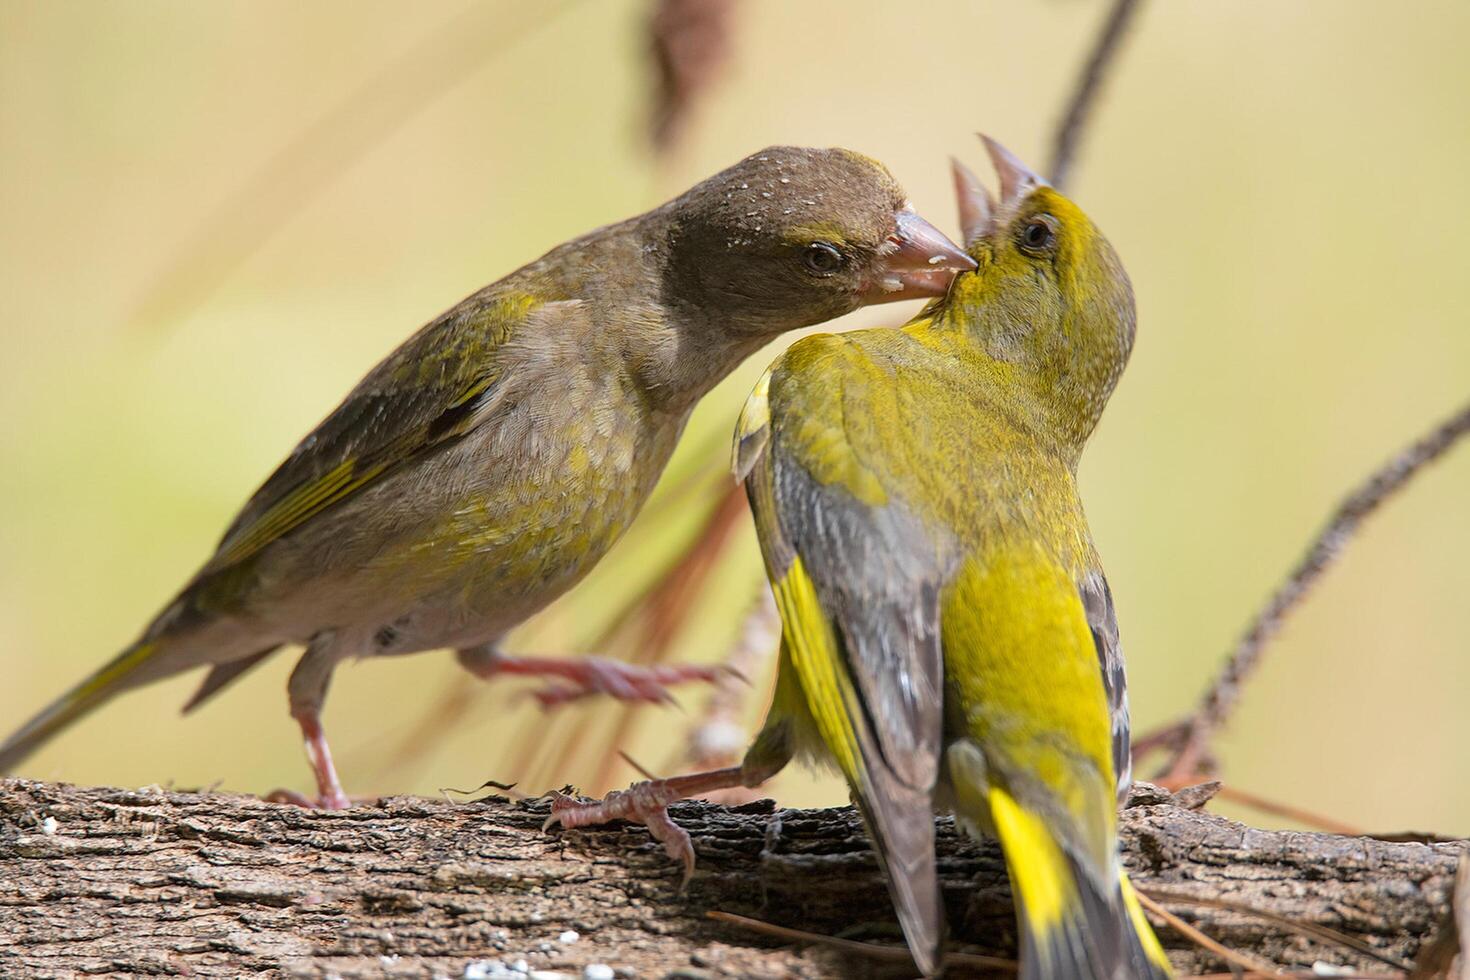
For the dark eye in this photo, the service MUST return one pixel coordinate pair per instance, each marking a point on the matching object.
(821, 258)
(1039, 234)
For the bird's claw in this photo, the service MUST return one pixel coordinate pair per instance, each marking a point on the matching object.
(624, 682)
(330, 801)
(646, 803)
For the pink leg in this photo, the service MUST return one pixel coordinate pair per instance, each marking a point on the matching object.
(587, 676)
(647, 803)
(329, 789)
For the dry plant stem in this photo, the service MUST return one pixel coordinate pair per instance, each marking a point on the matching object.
(719, 739)
(1194, 935)
(891, 953)
(1310, 818)
(1089, 85)
(666, 609)
(1193, 735)
(1309, 929)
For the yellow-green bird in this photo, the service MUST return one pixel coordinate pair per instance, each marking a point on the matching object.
(485, 466)
(949, 640)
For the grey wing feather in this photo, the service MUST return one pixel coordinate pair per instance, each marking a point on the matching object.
(877, 578)
(1102, 619)
(877, 575)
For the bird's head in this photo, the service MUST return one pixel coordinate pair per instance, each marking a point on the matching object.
(791, 236)
(1049, 296)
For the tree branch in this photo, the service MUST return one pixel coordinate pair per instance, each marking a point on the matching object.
(1190, 738)
(163, 883)
(1080, 107)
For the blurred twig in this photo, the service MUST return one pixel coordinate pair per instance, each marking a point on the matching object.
(1309, 818)
(664, 612)
(690, 41)
(1080, 107)
(719, 738)
(325, 148)
(1190, 738)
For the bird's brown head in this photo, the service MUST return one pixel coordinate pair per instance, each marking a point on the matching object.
(791, 236)
(1050, 296)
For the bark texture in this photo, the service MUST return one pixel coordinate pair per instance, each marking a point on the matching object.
(151, 882)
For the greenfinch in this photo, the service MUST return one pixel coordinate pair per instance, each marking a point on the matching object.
(948, 639)
(486, 465)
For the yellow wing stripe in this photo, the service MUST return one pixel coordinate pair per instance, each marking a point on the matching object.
(297, 506)
(1038, 868)
(813, 649)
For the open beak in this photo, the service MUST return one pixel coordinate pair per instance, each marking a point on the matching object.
(918, 260)
(979, 212)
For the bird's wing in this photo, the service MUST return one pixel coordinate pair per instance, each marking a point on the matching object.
(1102, 620)
(430, 391)
(857, 579)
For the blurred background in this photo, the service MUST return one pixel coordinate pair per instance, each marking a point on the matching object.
(215, 217)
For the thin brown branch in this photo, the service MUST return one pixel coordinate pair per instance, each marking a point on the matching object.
(719, 738)
(1310, 818)
(1308, 929)
(666, 609)
(891, 954)
(1227, 954)
(1089, 85)
(1192, 736)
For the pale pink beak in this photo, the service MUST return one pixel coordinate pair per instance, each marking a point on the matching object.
(918, 260)
(979, 212)
(977, 207)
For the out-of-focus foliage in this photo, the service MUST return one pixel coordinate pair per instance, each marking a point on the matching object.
(1284, 182)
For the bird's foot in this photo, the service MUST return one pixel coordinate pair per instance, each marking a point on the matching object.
(584, 677)
(647, 803)
(329, 801)
(328, 787)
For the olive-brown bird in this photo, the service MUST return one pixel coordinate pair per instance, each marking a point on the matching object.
(487, 464)
(948, 639)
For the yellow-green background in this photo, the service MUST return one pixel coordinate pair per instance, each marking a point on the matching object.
(1286, 182)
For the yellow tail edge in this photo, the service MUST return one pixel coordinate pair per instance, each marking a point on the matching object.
(1070, 929)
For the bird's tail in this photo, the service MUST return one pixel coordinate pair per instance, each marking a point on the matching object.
(1075, 924)
(114, 677)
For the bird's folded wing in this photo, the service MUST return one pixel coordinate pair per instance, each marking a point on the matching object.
(1102, 620)
(427, 393)
(857, 582)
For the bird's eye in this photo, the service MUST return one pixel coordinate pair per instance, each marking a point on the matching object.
(1039, 234)
(821, 258)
